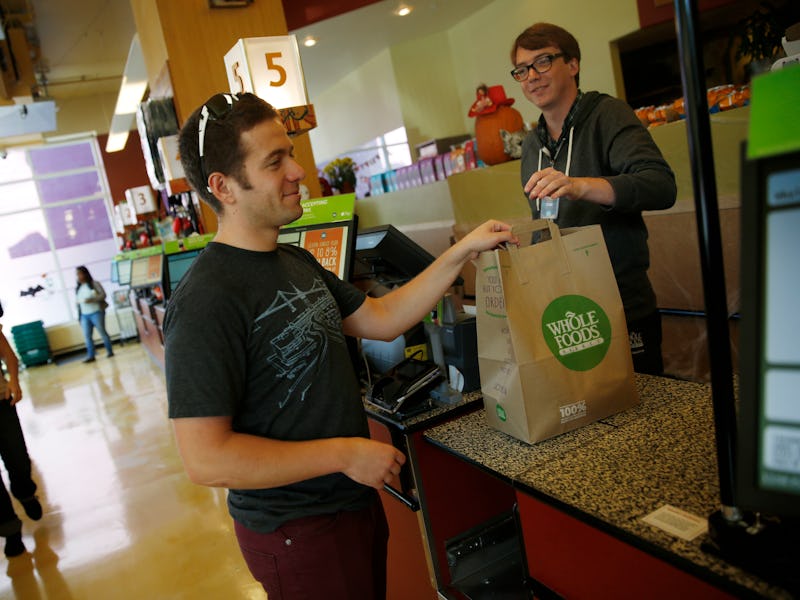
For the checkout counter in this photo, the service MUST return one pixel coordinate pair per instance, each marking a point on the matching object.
(561, 518)
(576, 504)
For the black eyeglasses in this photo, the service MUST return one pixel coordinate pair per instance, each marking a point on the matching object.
(541, 65)
(218, 107)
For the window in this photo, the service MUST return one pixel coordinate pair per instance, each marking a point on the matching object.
(54, 217)
(384, 153)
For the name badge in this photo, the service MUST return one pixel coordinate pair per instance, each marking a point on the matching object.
(548, 208)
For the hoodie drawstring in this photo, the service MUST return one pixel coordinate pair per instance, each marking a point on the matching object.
(543, 150)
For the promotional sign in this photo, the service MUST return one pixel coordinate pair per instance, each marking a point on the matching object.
(194, 242)
(26, 119)
(326, 229)
(330, 209)
(268, 67)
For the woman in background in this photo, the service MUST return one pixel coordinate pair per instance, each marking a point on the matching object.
(92, 311)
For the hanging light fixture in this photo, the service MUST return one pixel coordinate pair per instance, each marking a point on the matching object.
(131, 92)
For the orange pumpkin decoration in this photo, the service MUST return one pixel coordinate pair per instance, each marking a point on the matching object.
(490, 117)
(487, 133)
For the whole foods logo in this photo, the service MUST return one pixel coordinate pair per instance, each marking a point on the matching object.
(577, 331)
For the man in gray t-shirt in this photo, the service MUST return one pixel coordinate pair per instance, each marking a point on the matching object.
(299, 385)
(261, 392)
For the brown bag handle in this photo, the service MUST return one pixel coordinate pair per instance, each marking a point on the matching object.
(530, 227)
(536, 225)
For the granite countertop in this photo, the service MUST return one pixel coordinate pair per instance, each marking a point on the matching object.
(615, 471)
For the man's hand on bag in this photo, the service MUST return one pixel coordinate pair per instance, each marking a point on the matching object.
(487, 236)
(390, 315)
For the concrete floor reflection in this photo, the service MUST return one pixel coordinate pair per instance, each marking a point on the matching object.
(121, 520)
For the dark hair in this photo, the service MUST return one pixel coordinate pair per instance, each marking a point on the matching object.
(542, 35)
(222, 148)
(89, 278)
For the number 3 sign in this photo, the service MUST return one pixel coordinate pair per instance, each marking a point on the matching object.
(270, 68)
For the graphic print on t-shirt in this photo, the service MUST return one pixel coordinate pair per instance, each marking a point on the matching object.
(310, 319)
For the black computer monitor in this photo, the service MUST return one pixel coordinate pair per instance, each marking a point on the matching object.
(768, 440)
(388, 256)
(124, 271)
(177, 266)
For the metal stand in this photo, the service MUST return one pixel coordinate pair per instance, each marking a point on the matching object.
(710, 240)
(763, 547)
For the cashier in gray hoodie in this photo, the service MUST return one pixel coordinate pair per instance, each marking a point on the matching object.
(591, 162)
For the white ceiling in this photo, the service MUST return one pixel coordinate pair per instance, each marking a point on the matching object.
(84, 43)
(353, 38)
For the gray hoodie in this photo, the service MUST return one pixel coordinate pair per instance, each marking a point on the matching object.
(607, 140)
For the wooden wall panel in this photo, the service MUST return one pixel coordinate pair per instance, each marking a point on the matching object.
(125, 169)
(195, 39)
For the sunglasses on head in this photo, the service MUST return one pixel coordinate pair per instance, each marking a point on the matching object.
(216, 108)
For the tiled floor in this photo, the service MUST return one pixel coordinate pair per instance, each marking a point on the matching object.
(121, 520)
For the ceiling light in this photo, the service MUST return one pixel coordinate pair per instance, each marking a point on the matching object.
(309, 41)
(131, 92)
(116, 141)
(403, 10)
(130, 95)
(118, 132)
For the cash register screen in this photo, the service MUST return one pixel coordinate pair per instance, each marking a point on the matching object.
(178, 265)
(768, 474)
(146, 270)
(387, 255)
(124, 272)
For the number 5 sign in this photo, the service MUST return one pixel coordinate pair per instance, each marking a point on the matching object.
(270, 68)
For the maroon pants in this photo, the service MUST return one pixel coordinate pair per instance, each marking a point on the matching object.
(337, 557)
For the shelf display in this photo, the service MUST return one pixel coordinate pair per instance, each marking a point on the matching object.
(327, 230)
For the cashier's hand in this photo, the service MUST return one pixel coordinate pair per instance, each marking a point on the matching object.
(372, 463)
(487, 236)
(551, 183)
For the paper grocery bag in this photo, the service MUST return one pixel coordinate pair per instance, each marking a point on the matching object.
(553, 347)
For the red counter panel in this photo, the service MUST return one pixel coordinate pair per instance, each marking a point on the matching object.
(578, 561)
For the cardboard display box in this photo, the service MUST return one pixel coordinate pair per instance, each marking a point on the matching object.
(675, 255)
(674, 250)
